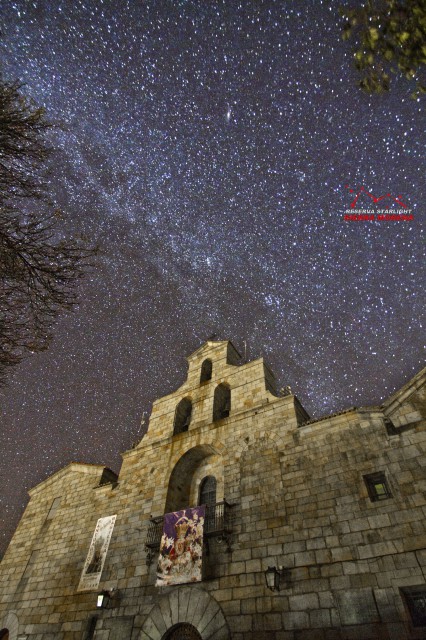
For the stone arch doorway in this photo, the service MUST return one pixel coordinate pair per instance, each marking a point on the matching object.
(182, 631)
(185, 610)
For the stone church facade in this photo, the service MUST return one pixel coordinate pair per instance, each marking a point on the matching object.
(314, 529)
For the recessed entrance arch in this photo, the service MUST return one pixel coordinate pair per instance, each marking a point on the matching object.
(182, 631)
(187, 609)
(188, 472)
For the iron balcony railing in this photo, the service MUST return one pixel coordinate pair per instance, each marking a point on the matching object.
(219, 520)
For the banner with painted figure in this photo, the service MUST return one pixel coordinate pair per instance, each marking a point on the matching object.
(95, 560)
(181, 548)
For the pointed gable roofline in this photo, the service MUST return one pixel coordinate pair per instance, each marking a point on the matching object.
(399, 396)
(95, 470)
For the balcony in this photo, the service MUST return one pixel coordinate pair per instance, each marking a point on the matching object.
(218, 522)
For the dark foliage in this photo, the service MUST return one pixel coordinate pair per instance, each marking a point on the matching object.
(390, 37)
(39, 269)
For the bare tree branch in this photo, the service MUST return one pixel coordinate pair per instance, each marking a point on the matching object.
(39, 270)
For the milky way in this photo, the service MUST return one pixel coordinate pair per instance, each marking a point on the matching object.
(207, 146)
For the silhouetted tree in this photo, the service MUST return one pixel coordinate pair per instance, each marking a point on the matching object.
(39, 269)
(390, 36)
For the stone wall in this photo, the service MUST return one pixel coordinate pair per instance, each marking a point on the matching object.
(300, 503)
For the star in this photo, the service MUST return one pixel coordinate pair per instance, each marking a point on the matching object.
(205, 226)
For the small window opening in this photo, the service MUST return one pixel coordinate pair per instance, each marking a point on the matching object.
(28, 569)
(208, 490)
(108, 477)
(206, 371)
(182, 416)
(53, 508)
(415, 600)
(377, 486)
(222, 402)
(208, 497)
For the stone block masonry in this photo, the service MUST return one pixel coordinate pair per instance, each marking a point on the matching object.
(336, 505)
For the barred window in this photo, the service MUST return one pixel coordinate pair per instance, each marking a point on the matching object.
(208, 490)
(377, 486)
(208, 497)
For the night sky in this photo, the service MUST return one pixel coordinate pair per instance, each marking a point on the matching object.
(207, 146)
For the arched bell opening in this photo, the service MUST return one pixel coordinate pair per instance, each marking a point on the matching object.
(206, 371)
(183, 416)
(221, 402)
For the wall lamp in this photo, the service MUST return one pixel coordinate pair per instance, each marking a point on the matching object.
(273, 578)
(104, 597)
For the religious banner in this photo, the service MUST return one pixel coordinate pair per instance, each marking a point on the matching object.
(181, 548)
(95, 560)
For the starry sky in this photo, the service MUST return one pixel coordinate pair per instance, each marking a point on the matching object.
(208, 147)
